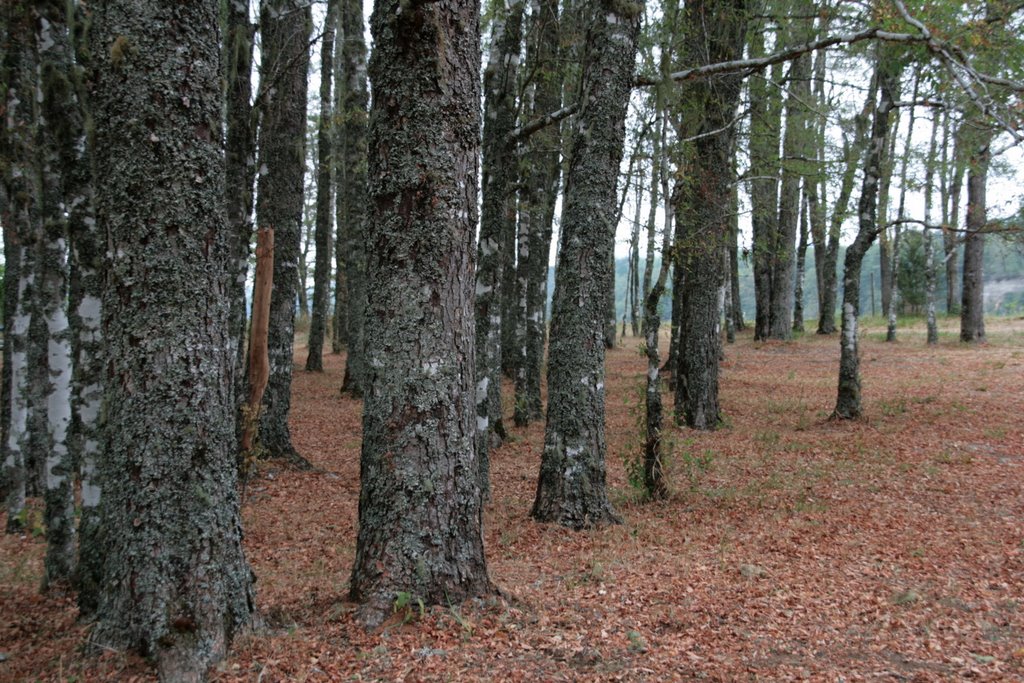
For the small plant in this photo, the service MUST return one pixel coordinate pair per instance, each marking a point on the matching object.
(893, 408)
(407, 603)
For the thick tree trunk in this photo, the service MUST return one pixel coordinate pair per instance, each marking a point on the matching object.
(972, 310)
(497, 220)
(537, 206)
(350, 284)
(897, 242)
(571, 486)
(420, 504)
(285, 26)
(848, 403)
(324, 197)
(715, 30)
(176, 584)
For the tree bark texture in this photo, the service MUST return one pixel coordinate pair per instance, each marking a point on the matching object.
(853, 153)
(929, 241)
(285, 26)
(765, 125)
(420, 503)
(176, 584)
(848, 399)
(715, 30)
(497, 220)
(87, 250)
(795, 149)
(571, 488)
(22, 220)
(972, 303)
(58, 116)
(351, 245)
(538, 195)
(324, 197)
(240, 154)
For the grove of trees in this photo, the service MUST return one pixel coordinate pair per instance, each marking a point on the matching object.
(145, 143)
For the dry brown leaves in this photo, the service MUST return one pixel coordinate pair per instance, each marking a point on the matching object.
(795, 547)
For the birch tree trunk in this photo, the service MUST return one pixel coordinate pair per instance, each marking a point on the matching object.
(87, 251)
(176, 584)
(571, 486)
(420, 503)
(848, 399)
(537, 206)
(21, 222)
(58, 114)
(285, 26)
(497, 220)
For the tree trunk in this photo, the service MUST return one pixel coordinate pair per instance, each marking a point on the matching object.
(794, 150)
(353, 99)
(176, 584)
(420, 504)
(59, 115)
(715, 30)
(765, 122)
(890, 334)
(950, 239)
(571, 486)
(498, 219)
(972, 310)
(240, 153)
(929, 242)
(885, 250)
(21, 220)
(848, 403)
(736, 304)
(285, 25)
(324, 197)
(537, 205)
(801, 261)
(259, 359)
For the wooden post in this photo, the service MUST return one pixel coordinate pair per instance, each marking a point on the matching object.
(259, 362)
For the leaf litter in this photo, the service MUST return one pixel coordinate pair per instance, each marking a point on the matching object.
(794, 547)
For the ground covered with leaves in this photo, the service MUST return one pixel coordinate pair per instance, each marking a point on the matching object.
(794, 547)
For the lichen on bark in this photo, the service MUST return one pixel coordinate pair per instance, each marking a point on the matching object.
(176, 583)
(420, 503)
(571, 488)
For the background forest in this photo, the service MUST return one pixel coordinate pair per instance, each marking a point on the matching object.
(298, 318)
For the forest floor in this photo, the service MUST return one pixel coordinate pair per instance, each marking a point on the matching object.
(793, 548)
